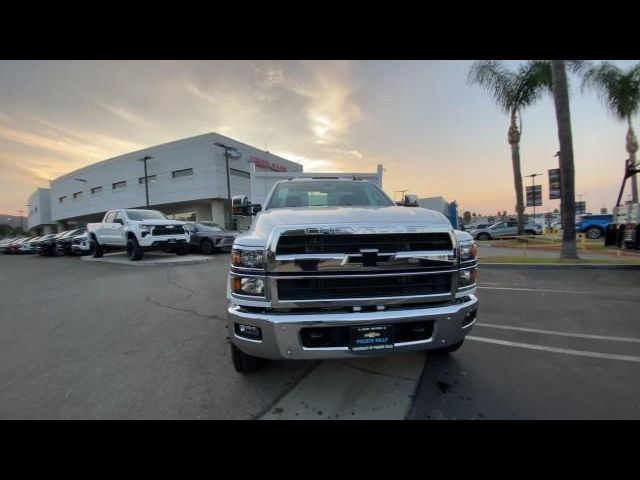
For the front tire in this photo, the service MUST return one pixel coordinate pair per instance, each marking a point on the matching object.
(134, 251)
(483, 237)
(206, 247)
(97, 250)
(244, 363)
(594, 233)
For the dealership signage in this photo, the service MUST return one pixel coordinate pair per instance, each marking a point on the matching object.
(262, 163)
(534, 196)
(554, 184)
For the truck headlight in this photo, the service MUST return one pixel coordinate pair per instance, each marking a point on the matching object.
(247, 258)
(468, 251)
(247, 286)
(467, 277)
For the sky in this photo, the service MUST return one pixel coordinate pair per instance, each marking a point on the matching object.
(434, 133)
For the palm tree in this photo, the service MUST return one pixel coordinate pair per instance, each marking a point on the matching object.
(620, 90)
(567, 181)
(512, 91)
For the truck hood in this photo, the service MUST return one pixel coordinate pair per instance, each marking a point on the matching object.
(267, 220)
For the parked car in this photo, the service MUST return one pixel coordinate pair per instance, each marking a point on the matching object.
(137, 231)
(30, 245)
(504, 229)
(47, 246)
(209, 238)
(80, 244)
(594, 226)
(474, 226)
(6, 244)
(63, 243)
(14, 247)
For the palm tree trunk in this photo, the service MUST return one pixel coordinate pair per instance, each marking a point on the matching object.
(567, 181)
(514, 141)
(632, 148)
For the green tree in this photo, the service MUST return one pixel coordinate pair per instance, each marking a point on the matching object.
(466, 217)
(512, 91)
(620, 91)
(567, 181)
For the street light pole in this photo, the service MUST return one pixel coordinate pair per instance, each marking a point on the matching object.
(533, 191)
(146, 177)
(226, 160)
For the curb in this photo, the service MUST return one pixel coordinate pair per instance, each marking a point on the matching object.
(623, 266)
(148, 263)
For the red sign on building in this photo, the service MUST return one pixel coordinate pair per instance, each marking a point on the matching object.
(262, 163)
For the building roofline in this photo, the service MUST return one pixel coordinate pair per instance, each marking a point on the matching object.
(164, 145)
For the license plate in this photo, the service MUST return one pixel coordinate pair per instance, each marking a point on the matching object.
(376, 337)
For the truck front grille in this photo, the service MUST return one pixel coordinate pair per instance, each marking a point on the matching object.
(177, 230)
(328, 288)
(384, 242)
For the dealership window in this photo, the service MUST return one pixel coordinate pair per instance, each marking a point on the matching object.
(182, 173)
(117, 185)
(239, 173)
(77, 194)
(150, 179)
(96, 190)
(184, 216)
(61, 199)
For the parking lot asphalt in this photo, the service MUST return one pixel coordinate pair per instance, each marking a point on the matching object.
(550, 344)
(87, 340)
(90, 340)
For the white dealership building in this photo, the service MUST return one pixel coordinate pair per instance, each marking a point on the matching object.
(186, 180)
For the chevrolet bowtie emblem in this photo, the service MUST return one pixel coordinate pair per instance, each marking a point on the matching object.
(368, 257)
(371, 335)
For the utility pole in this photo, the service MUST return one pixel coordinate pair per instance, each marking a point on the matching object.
(146, 178)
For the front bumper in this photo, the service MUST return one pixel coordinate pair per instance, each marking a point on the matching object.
(281, 337)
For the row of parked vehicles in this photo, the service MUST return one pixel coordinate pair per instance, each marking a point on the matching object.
(133, 230)
(69, 242)
(593, 226)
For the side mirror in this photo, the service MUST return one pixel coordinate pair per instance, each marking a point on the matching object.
(256, 208)
(118, 220)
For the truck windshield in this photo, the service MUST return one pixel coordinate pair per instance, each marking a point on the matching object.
(145, 215)
(328, 194)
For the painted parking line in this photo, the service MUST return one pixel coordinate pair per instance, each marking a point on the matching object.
(536, 290)
(374, 388)
(562, 334)
(565, 351)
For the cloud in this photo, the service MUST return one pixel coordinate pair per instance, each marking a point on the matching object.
(123, 113)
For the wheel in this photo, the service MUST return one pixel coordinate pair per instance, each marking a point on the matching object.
(450, 348)
(183, 250)
(244, 363)
(483, 237)
(96, 250)
(594, 233)
(134, 252)
(529, 232)
(206, 246)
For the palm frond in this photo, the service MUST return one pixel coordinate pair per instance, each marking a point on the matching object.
(496, 79)
(618, 89)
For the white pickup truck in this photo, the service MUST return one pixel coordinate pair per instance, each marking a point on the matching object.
(137, 231)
